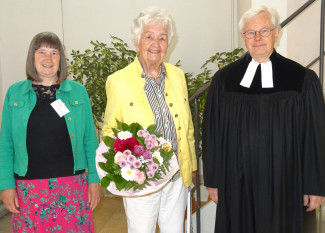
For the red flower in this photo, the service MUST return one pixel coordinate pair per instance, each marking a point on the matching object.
(127, 144)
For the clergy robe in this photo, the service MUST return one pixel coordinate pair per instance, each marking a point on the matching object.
(264, 148)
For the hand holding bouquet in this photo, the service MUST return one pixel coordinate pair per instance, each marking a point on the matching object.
(137, 160)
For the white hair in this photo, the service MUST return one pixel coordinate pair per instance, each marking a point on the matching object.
(153, 15)
(251, 13)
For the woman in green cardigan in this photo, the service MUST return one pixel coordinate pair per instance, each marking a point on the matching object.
(47, 140)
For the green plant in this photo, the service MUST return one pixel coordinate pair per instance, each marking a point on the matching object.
(194, 83)
(220, 59)
(92, 67)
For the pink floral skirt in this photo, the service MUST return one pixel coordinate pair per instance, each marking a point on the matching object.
(53, 205)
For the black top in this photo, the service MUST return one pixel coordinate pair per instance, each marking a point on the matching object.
(263, 148)
(48, 143)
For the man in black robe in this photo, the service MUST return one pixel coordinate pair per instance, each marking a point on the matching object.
(264, 137)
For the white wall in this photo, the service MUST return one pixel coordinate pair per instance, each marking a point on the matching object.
(304, 33)
(203, 28)
(242, 7)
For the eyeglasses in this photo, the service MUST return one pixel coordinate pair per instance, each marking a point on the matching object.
(263, 32)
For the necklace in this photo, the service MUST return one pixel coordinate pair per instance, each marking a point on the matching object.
(159, 73)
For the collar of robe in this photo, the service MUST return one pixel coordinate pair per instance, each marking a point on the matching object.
(266, 74)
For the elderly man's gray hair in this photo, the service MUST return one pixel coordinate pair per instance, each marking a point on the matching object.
(251, 13)
(153, 15)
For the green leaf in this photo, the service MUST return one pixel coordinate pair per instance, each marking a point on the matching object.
(119, 182)
(108, 141)
(140, 140)
(134, 128)
(115, 132)
(129, 185)
(106, 155)
(118, 124)
(105, 181)
(125, 127)
(151, 128)
(103, 166)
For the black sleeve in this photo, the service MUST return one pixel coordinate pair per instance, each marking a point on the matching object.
(210, 136)
(314, 140)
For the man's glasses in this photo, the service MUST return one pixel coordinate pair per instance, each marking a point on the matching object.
(264, 32)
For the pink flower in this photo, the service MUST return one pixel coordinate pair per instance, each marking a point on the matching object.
(137, 163)
(149, 145)
(123, 163)
(127, 152)
(147, 140)
(142, 133)
(149, 162)
(147, 154)
(130, 159)
(153, 137)
(150, 174)
(154, 143)
(151, 141)
(154, 167)
(139, 177)
(119, 157)
(138, 150)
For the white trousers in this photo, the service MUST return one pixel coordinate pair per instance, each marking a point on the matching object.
(167, 205)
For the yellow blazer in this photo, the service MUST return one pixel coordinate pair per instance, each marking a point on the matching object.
(127, 102)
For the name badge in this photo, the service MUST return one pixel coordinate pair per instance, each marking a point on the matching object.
(60, 107)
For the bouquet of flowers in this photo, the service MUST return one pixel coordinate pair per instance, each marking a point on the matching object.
(135, 161)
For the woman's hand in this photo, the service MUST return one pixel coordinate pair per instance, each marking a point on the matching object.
(10, 200)
(312, 202)
(194, 177)
(94, 194)
(213, 192)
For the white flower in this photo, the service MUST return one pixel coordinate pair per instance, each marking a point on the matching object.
(118, 157)
(127, 173)
(162, 141)
(124, 135)
(157, 156)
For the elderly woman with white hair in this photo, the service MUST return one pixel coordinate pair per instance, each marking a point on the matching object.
(150, 91)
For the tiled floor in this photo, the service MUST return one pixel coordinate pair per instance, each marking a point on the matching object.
(109, 217)
(5, 224)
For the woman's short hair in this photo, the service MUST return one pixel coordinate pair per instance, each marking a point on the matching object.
(154, 15)
(251, 13)
(51, 40)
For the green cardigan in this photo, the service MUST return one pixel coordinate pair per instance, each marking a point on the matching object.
(18, 105)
